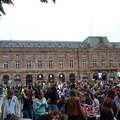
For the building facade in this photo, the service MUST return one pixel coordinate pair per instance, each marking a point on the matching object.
(25, 61)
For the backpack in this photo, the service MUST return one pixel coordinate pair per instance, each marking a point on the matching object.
(111, 104)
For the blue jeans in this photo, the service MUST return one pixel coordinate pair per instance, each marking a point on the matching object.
(28, 114)
(53, 107)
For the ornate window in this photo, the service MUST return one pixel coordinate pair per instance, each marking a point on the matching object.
(71, 64)
(17, 64)
(50, 64)
(28, 64)
(84, 63)
(111, 63)
(103, 63)
(61, 64)
(94, 63)
(5, 64)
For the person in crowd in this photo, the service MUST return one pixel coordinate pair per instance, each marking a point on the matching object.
(1, 89)
(47, 93)
(53, 98)
(9, 104)
(61, 102)
(5, 90)
(73, 85)
(40, 104)
(80, 96)
(66, 91)
(117, 101)
(72, 107)
(88, 99)
(54, 115)
(30, 86)
(106, 114)
(27, 104)
(110, 96)
(95, 103)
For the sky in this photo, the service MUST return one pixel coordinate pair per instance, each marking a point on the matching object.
(67, 20)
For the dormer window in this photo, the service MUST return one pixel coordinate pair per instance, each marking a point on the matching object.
(59, 45)
(49, 45)
(69, 45)
(17, 45)
(39, 45)
(6, 45)
(28, 45)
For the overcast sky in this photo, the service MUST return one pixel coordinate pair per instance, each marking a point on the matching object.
(68, 20)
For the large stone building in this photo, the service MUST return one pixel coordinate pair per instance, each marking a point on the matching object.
(93, 58)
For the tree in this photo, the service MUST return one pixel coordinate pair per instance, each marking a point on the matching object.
(10, 2)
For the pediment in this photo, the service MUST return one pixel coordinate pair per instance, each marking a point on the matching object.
(103, 47)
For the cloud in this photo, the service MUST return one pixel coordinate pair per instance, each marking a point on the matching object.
(65, 20)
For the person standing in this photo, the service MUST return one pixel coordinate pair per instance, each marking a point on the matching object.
(9, 104)
(5, 90)
(27, 104)
(53, 98)
(40, 104)
(117, 101)
(1, 89)
(73, 108)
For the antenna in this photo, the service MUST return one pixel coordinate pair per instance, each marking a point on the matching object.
(91, 26)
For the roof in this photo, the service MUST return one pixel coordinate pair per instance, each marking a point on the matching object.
(41, 44)
(93, 41)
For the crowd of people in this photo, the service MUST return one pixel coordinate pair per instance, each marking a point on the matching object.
(61, 101)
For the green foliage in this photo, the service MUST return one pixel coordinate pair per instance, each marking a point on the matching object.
(4, 2)
(9, 2)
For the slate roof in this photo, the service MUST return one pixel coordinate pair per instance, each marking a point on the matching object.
(41, 44)
(93, 41)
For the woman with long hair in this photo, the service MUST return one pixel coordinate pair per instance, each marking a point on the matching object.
(27, 104)
(40, 104)
(73, 107)
(61, 102)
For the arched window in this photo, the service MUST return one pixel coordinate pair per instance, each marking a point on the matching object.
(104, 76)
(51, 78)
(112, 76)
(72, 77)
(62, 77)
(5, 79)
(95, 76)
(17, 79)
(85, 77)
(28, 79)
(40, 77)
